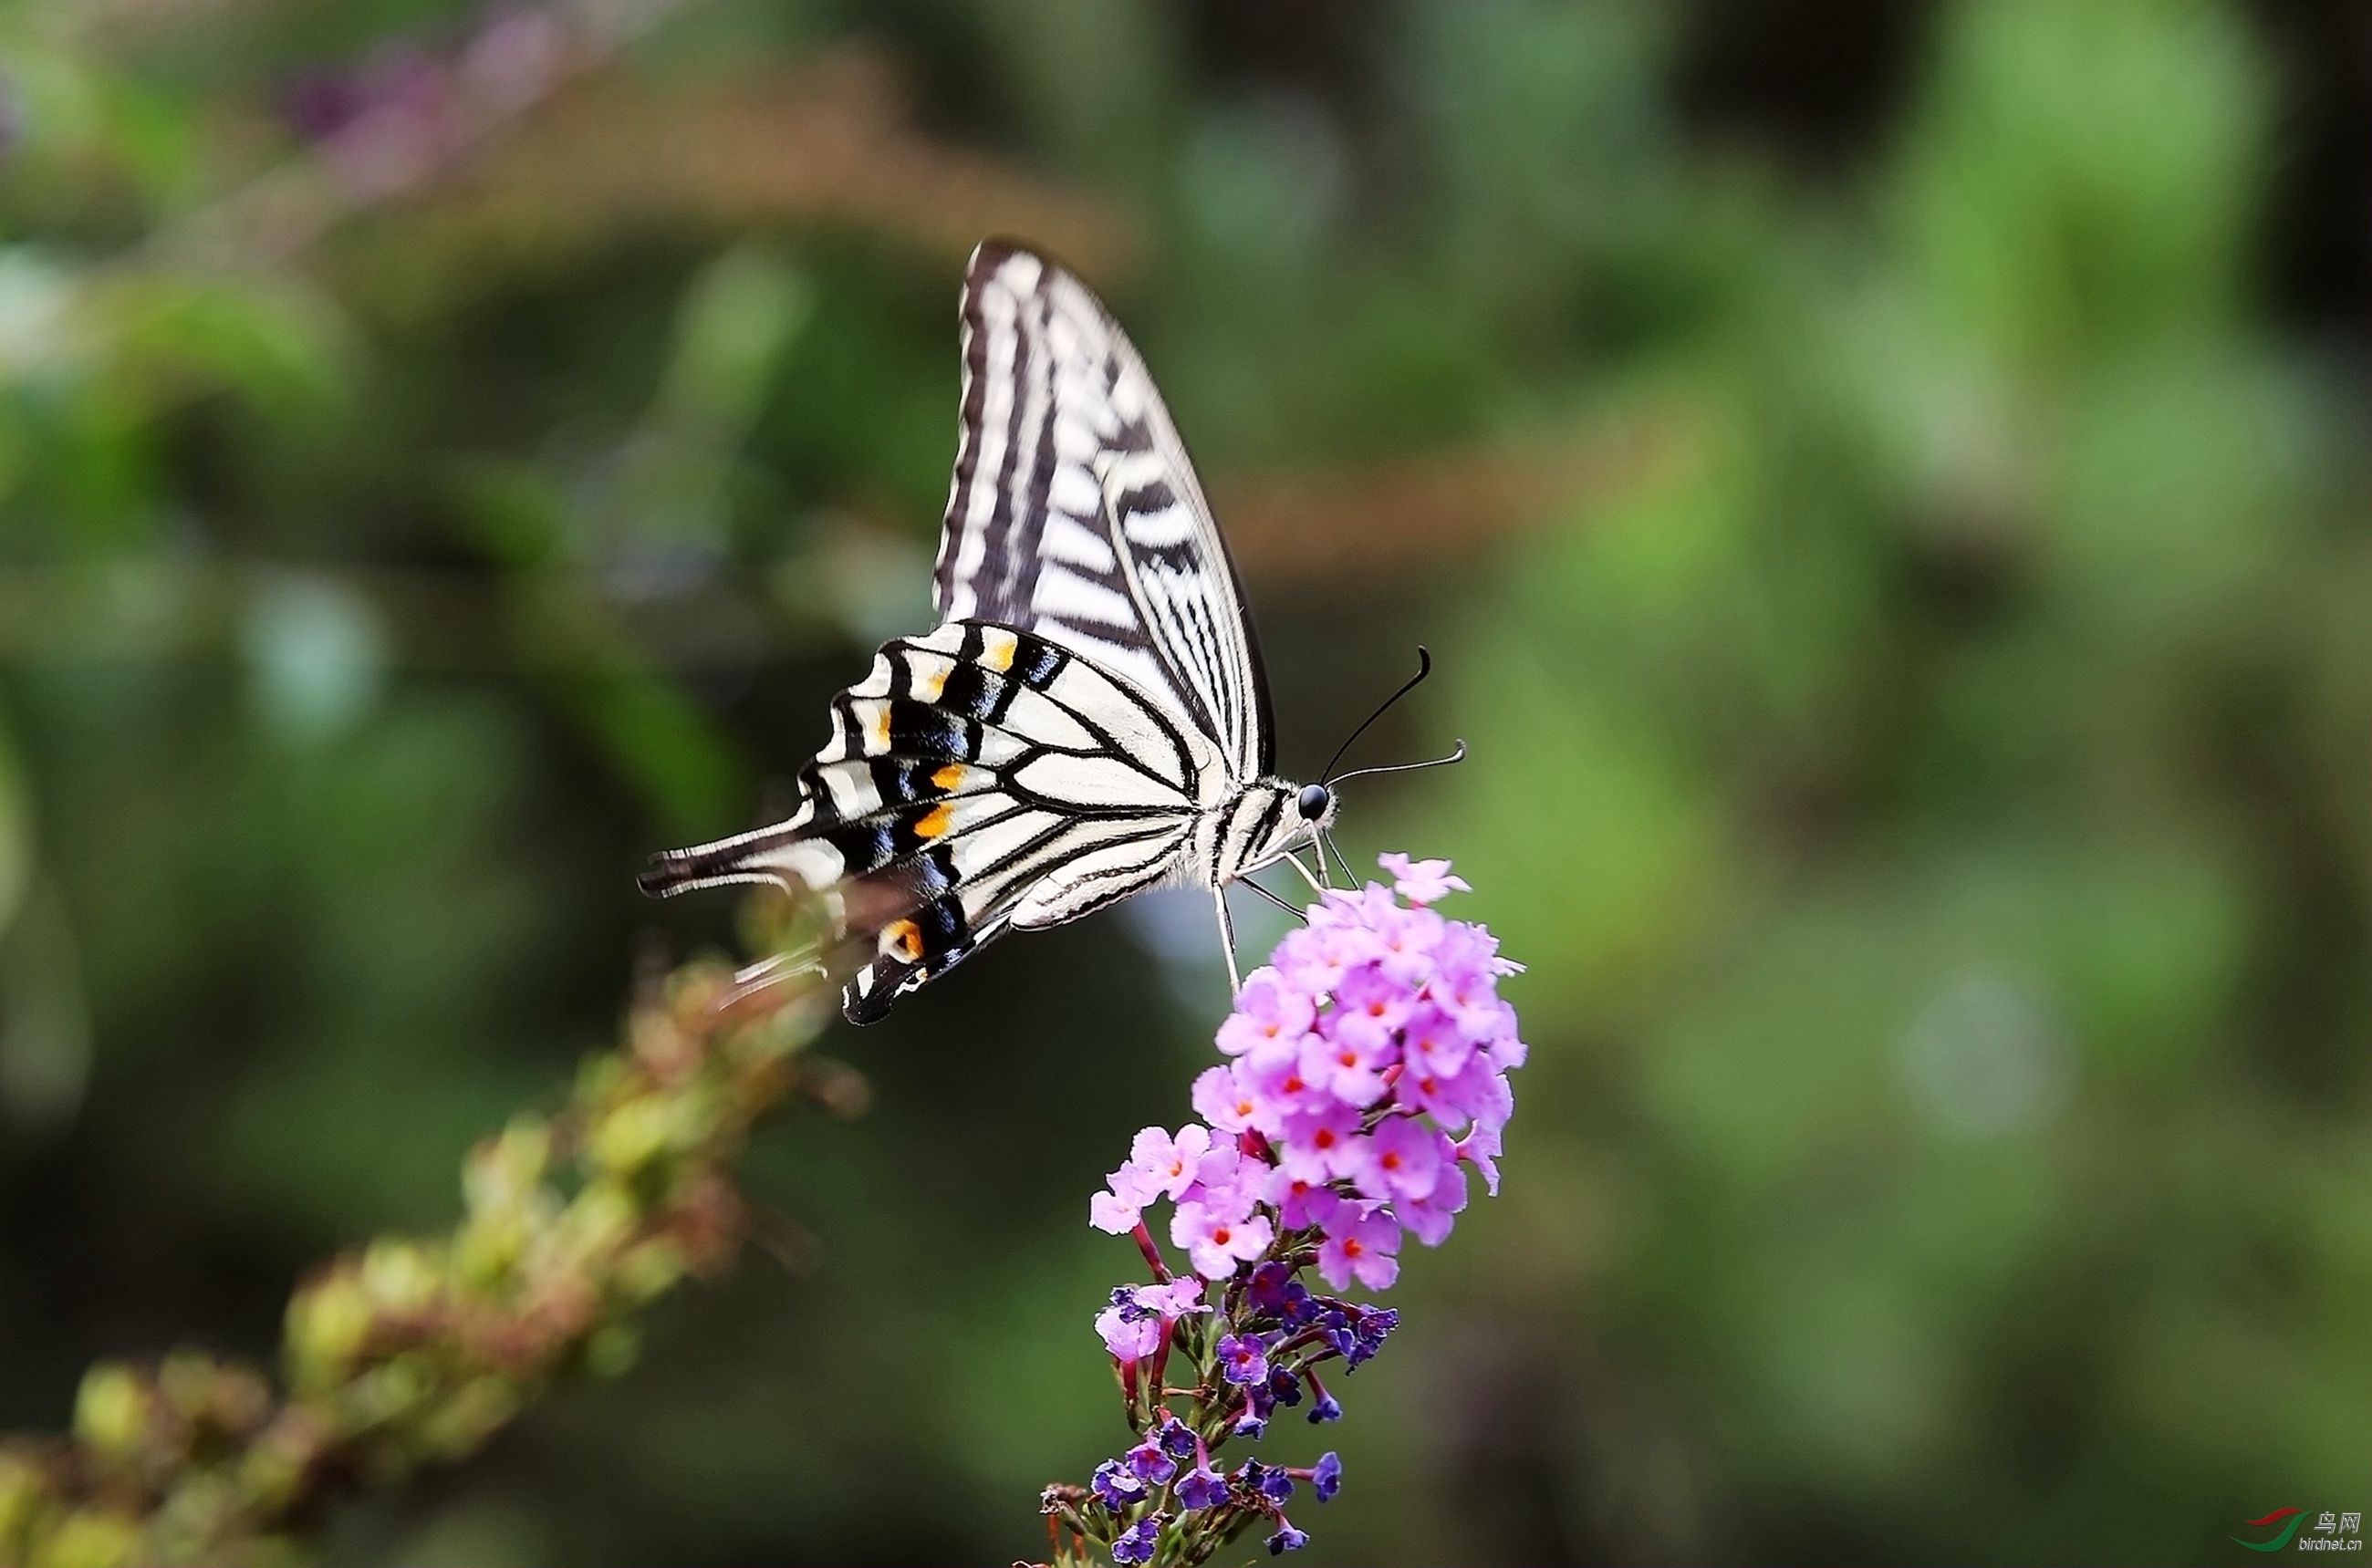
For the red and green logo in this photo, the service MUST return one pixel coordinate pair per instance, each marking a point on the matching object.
(2295, 1516)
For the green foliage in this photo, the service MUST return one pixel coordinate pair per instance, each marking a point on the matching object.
(1904, 608)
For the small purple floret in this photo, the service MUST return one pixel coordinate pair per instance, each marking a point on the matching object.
(1177, 1439)
(1268, 1481)
(1202, 1487)
(1116, 1486)
(1149, 1464)
(1138, 1542)
(1243, 1360)
(1286, 1539)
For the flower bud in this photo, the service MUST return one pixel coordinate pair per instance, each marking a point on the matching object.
(111, 1411)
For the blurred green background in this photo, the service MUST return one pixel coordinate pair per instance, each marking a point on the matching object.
(1885, 484)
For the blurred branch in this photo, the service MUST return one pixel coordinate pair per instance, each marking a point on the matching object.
(1436, 510)
(831, 141)
(523, 141)
(395, 148)
(415, 1351)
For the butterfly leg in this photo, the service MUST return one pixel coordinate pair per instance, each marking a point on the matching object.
(1302, 915)
(1228, 939)
(1316, 884)
(1350, 878)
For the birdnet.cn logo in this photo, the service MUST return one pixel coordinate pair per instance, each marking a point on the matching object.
(2331, 1531)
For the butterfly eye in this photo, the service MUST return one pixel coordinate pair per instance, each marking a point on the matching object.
(1314, 801)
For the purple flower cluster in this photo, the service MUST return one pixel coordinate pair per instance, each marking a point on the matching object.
(1367, 1069)
(1370, 1062)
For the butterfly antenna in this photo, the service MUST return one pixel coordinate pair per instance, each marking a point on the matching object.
(1457, 756)
(1423, 668)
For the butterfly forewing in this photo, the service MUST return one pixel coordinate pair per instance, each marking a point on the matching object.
(1075, 514)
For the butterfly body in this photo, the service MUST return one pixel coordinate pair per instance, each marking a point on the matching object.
(1089, 719)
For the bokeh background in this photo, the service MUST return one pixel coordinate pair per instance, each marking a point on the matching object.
(1885, 484)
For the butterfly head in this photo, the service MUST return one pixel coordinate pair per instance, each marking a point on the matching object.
(1267, 821)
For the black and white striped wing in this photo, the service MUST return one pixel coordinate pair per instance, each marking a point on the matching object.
(979, 779)
(1074, 513)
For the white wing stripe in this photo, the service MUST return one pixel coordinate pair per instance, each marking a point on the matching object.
(1073, 542)
(1068, 596)
(1092, 783)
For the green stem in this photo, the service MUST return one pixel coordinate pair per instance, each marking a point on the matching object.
(417, 1350)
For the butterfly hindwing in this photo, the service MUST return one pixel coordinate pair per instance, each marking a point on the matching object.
(966, 770)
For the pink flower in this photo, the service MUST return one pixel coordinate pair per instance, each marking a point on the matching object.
(1110, 1211)
(1316, 957)
(1360, 1247)
(1429, 1219)
(1487, 1096)
(1441, 1098)
(1298, 1203)
(1474, 1094)
(1411, 948)
(1472, 1002)
(1369, 908)
(1181, 1298)
(1479, 1149)
(1267, 1010)
(1321, 1143)
(1423, 881)
(1131, 1326)
(1224, 1096)
(1161, 1166)
(1348, 1060)
(1368, 991)
(1467, 948)
(1227, 1183)
(1436, 1047)
(1127, 1337)
(1216, 1242)
(1402, 1160)
(1283, 1087)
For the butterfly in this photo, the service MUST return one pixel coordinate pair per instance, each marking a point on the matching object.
(1089, 719)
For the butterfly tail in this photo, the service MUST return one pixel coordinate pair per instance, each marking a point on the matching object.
(767, 856)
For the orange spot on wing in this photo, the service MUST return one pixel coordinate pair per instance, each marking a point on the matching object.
(935, 821)
(949, 778)
(904, 938)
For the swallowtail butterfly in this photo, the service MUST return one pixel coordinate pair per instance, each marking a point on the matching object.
(1089, 719)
